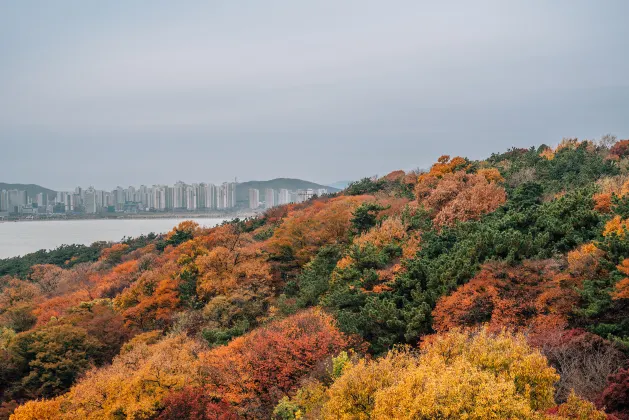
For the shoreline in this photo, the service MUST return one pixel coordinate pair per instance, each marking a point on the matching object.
(182, 216)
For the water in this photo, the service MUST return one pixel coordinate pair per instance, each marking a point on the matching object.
(19, 238)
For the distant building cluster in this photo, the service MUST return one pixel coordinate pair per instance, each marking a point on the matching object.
(178, 197)
(274, 198)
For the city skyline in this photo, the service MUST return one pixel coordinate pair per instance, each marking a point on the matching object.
(180, 197)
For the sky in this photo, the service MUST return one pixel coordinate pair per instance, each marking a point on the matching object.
(147, 92)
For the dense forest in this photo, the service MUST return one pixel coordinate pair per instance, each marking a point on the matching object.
(496, 288)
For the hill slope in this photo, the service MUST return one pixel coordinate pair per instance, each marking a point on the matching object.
(31, 189)
(242, 190)
(501, 285)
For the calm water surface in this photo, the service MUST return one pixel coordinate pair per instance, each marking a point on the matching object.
(19, 238)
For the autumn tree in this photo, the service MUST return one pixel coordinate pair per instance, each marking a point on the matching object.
(114, 254)
(615, 397)
(47, 277)
(526, 296)
(195, 403)
(254, 371)
(460, 196)
(17, 301)
(456, 374)
(133, 386)
(52, 358)
(304, 231)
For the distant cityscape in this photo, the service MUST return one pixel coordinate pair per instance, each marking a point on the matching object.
(181, 197)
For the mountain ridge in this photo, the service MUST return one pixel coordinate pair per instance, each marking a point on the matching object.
(242, 189)
(31, 189)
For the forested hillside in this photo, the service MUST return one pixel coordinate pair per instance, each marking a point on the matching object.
(483, 289)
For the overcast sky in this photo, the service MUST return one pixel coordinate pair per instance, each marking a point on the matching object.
(129, 92)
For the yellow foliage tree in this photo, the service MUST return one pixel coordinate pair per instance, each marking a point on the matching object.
(616, 226)
(456, 375)
(38, 410)
(131, 388)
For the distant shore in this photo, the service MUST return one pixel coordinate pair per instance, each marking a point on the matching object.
(138, 216)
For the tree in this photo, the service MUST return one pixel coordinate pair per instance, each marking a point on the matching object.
(182, 233)
(52, 358)
(460, 196)
(615, 397)
(195, 403)
(620, 148)
(303, 232)
(46, 276)
(133, 386)
(457, 374)
(254, 371)
(114, 254)
(506, 296)
(365, 217)
(314, 279)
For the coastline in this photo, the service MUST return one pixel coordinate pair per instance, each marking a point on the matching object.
(137, 216)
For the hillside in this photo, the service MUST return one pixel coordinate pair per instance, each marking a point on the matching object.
(494, 288)
(242, 189)
(31, 189)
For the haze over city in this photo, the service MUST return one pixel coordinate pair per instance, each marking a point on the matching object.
(113, 93)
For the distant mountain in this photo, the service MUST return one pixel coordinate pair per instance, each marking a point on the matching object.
(242, 189)
(31, 189)
(340, 185)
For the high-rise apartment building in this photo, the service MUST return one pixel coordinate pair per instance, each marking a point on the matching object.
(89, 201)
(271, 198)
(254, 198)
(4, 200)
(227, 195)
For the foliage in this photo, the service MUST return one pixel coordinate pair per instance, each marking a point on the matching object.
(615, 397)
(457, 374)
(256, 370)
(195, 403)
(364, 186)
(300, 312)
(303, 232)
(66, 256)
(365, 217)
(52, 358)
(134, 386)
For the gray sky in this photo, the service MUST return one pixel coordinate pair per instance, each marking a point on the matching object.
(130, 92)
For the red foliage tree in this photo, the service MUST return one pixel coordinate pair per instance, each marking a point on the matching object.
(195, 403)
(256, 370)
(620, 149)
(615, 397)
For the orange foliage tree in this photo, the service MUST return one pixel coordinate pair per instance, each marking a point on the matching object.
(304, 231)
(452, 194)
(113, 254)
(532, 295)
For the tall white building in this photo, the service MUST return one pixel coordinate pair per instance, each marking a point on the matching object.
(283, 196)
(271, 198)
(89, 201)
(254, 198)
(180, 197)
(4, 200)
(211, 200)
(226, 195)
